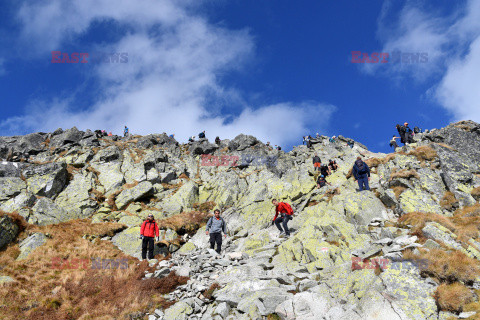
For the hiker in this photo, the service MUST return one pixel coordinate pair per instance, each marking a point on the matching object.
(110, 134)
(279, 148)
(309, 144)
(286, 214)
(304, 139)
(361, 172)
(401, 131)
(172, 135)
(325, 170)
(201, 135)
(147, 233)
(332, 139)
(393, 142)
(317, 135)
(268, 144)
(217, 140)
(321, 181)
(191, 139)
(215, 226)
(332, 164)
(408, 133)
(316, 162)
(350, 144)
(125, 131)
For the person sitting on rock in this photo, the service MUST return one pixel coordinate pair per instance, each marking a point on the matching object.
(147, 233)
(201, 135)
(317, 162)
(332, 165)
(286, 213)
(321, 181)
(217, 140)
(361, 173)
(215, 226)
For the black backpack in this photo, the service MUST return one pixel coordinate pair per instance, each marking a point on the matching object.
(361, 169)
(416, 130)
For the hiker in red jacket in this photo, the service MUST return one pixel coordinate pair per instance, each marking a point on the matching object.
(286, 214)
(147, 233)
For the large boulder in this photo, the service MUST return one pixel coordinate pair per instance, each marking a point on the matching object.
(21, 204)
(11, 187)
(8, 230)
(45, 211)
(69, 136)
(242, 142)
(110, 176)
(183, 199)
(109, 154)
(76, 197)
(46, 180)
(31, 243)
(142, 190)
(202, 146)
(11, 169)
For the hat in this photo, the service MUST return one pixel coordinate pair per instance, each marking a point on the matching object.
(322, 176)
(405, 123)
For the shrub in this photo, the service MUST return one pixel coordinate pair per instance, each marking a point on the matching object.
(452, 297)
(209, 292)
(405, 174)
(448, 201)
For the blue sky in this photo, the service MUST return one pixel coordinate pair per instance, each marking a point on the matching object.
(275, 69)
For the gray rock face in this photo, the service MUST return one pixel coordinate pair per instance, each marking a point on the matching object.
(46, 180)
(11, 187)
(45, 211)
(108, 154)
(202, 146)
(141, 190)
(242, 142)
(8, 230)
(31, 243)
(69, 136)
(11, 169)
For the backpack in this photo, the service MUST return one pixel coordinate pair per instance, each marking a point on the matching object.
(321, 182)
(211, 220)
(416, 130)
(361, 169)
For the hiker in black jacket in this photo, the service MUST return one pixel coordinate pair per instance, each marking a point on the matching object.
(408, 133)
(316, 162)
(321, 182)
(361, 172)
(325, 170)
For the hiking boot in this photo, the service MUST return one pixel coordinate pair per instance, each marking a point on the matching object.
(281, 235)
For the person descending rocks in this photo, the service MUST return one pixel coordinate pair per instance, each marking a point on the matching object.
(401, 131)
(316, 162)
(332, 165)
(408, 133)
(321, 181)
(325, 170)
(147, 233)
(125, 131)
(201, 135)
(217, 140)
(393, 142)
(361, 173)
(286, 213)
(215, 226)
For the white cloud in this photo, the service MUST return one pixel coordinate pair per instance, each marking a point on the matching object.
(453, 46)
(172, 79)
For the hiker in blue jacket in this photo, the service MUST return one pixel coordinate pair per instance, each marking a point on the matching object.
(361, 172)
(215, 226)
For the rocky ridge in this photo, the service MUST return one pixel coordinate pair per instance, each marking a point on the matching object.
(64, 175)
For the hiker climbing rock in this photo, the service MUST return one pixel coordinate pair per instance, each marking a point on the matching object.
(402, 132)
(393, 142)
(286, 213)
(201, 135)
(321, 181)
(125, 131)
(215, 226)
(217, 140)
(332, 165)
(316, 162)
(325, 170)
(148, 231)
(361, 172)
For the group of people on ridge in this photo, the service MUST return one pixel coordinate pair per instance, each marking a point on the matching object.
(406, 135)
(216, 225)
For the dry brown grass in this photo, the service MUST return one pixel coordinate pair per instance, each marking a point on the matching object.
(204, 206)
(209, 292)
(448, 200)
(404, 173)
(97, 196)
(419, 219)
(424, 153)
(446, 146)
(375, 162)
(470, 211)
(398, 190)
(78, 292)
(185, 222)
(476, 193)
(447, 265)
(453, 297)
(17, 219)
(183, 176)
(71, 171)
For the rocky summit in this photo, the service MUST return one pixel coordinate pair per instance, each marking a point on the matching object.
(407, 249)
